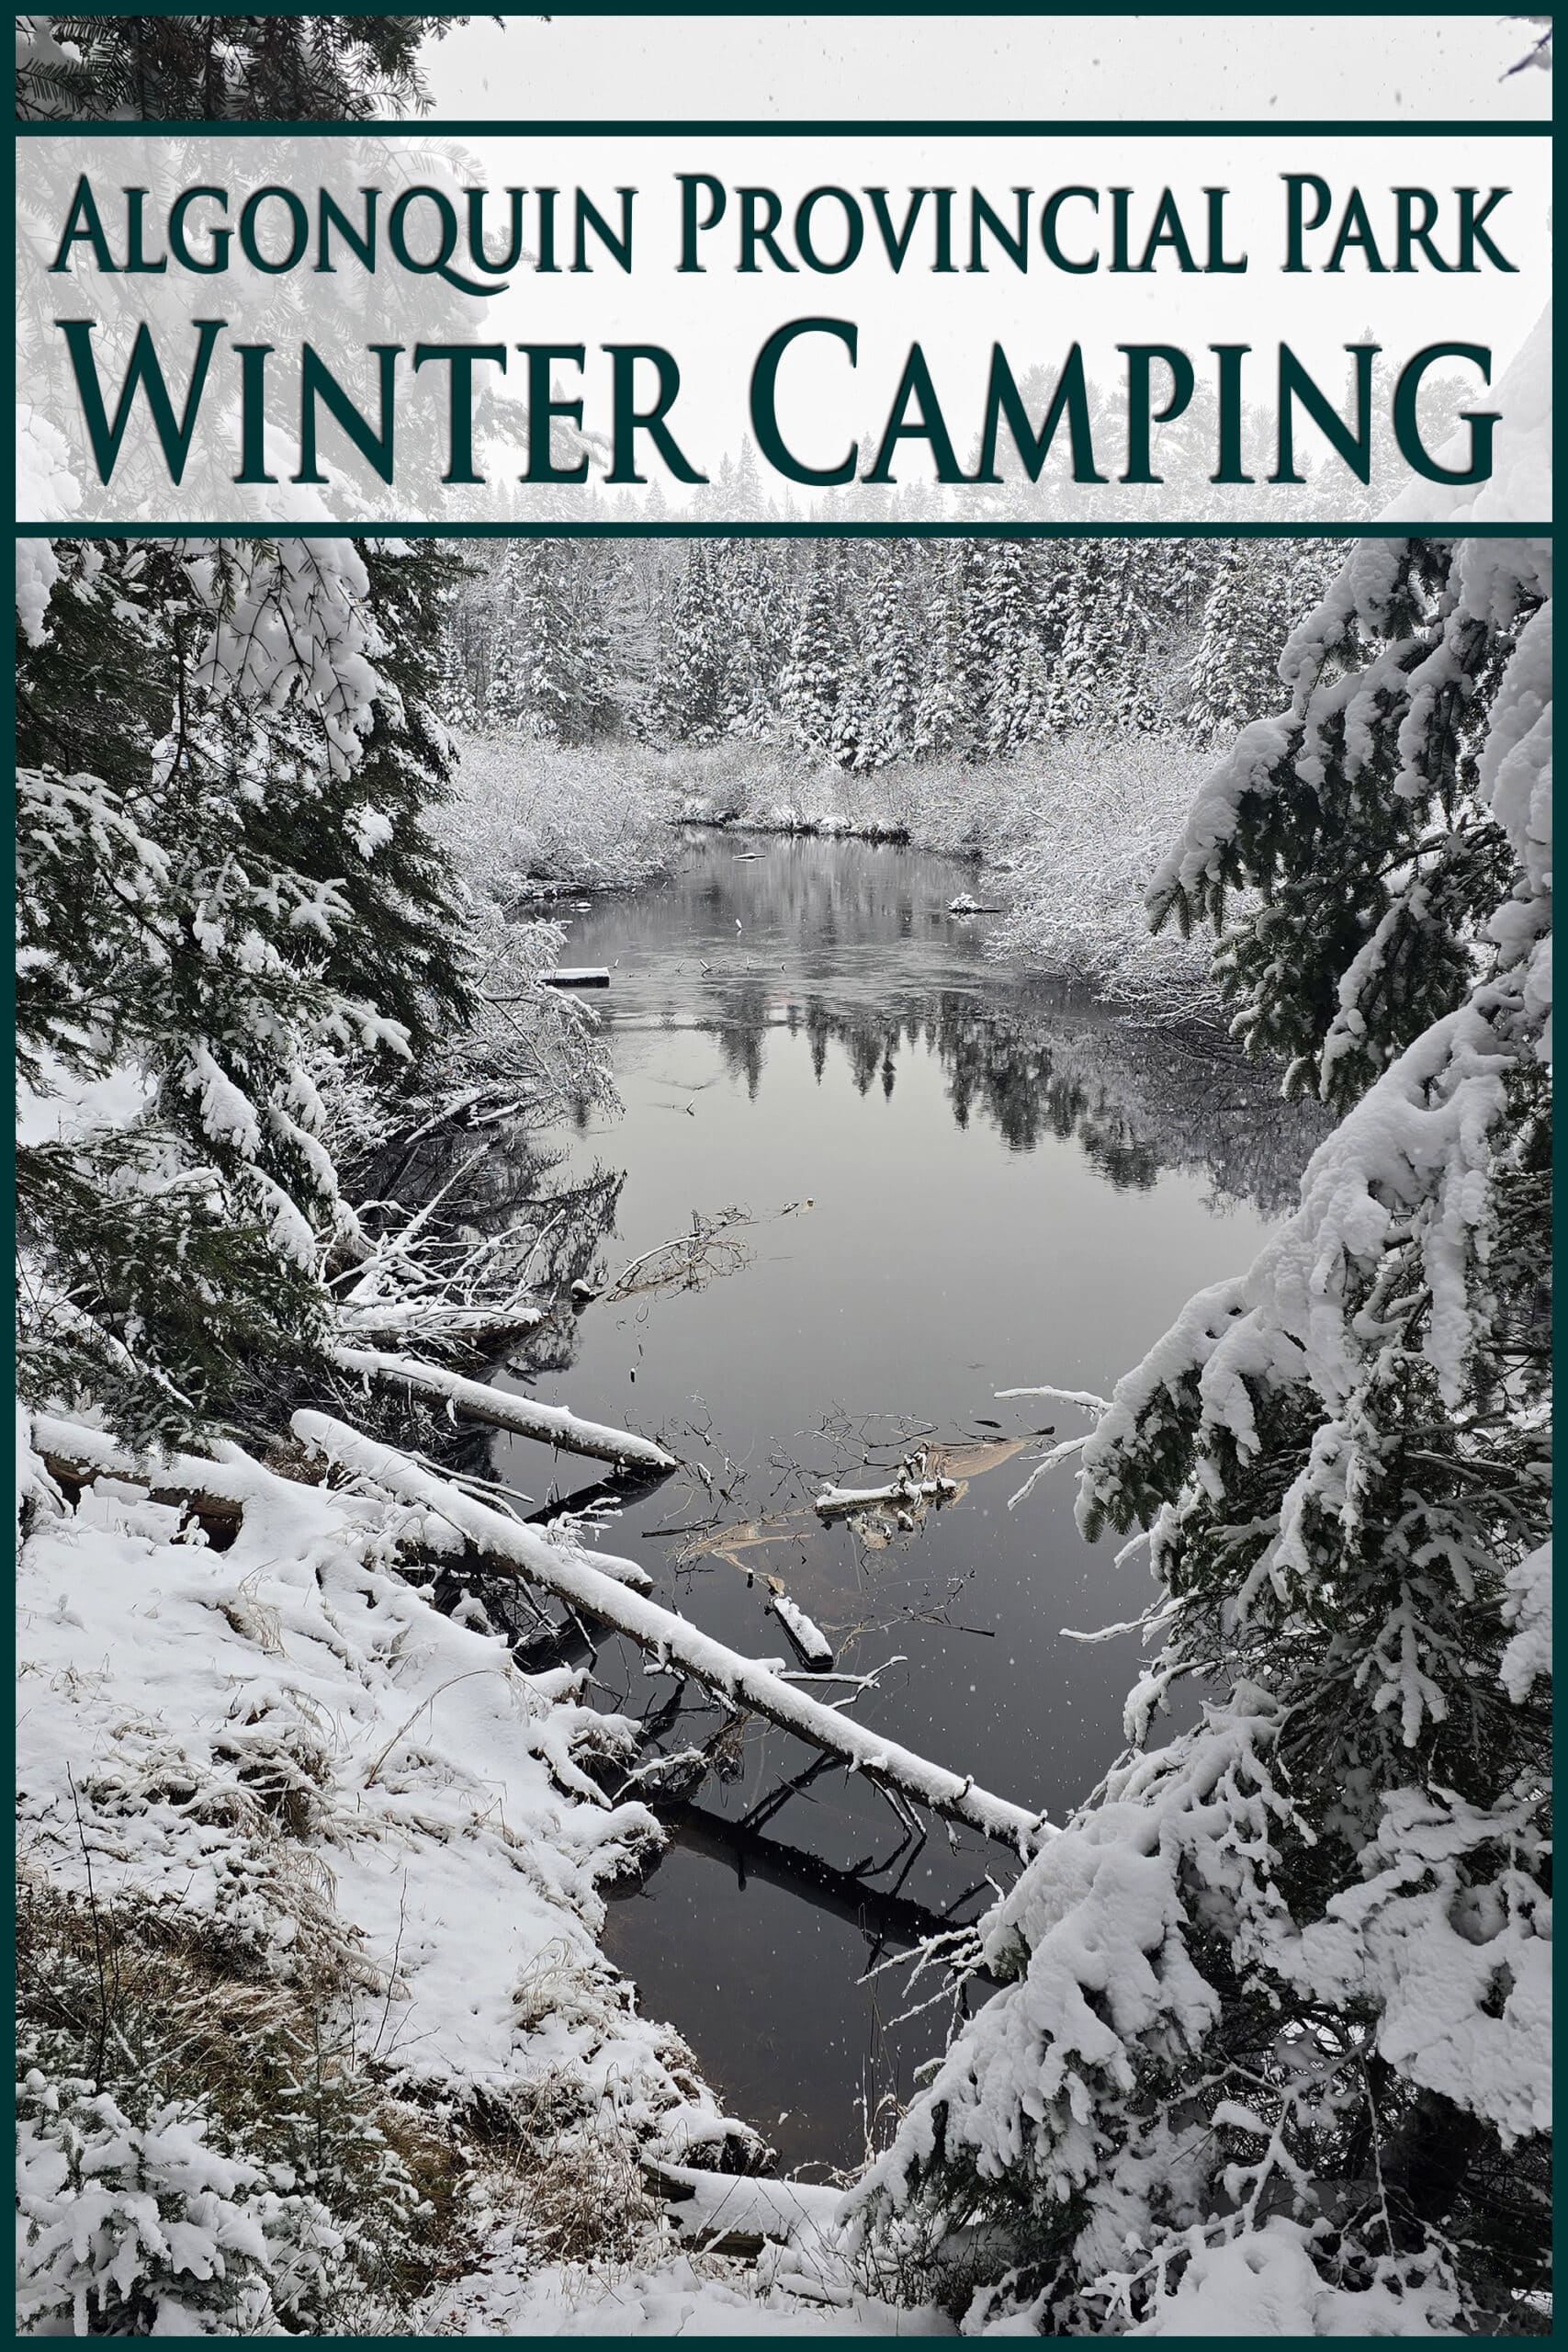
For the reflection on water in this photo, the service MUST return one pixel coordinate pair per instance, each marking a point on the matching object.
(850, 945)
(958, 1182)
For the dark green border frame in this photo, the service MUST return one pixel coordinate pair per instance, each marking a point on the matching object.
(1416, 10)
(522, 126)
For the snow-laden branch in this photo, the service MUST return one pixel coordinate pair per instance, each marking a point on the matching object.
(577, 1578)
(478, 1401)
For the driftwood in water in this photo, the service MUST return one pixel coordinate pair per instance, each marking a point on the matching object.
(478, 1401)
(903, 1492)
(810, 1641)
(587, 977)
(744, 1683)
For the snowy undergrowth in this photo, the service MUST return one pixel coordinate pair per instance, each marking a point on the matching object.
(530, 812)
(1070, 832)
(316, 2034)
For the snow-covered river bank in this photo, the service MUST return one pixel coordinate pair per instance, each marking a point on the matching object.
(954, 1183)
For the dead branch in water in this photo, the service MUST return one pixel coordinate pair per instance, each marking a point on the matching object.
(687, 1260)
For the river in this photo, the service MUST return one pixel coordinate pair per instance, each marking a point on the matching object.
(955, 1181)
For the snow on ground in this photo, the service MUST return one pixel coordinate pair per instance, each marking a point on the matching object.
(286, 1742)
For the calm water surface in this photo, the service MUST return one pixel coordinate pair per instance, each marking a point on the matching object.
(956, 1182)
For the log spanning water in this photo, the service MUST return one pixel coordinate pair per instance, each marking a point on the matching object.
(747, 1684)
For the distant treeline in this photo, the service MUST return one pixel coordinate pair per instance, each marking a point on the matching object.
(864, 652)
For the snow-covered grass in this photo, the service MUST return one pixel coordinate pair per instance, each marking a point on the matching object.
(314, 2015)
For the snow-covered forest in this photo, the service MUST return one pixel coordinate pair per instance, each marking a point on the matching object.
(1272, 2034)
(863, 654)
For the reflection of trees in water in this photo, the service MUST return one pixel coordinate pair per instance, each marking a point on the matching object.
(1136, 1099)
(505, 1188)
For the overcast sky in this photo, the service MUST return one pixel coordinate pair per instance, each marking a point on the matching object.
(979, 68)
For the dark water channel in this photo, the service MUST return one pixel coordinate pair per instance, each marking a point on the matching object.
(956, 1181)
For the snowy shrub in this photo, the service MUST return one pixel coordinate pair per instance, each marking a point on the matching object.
(129, 2228)
(252, 2048)
(1083, 820)
(529, 813)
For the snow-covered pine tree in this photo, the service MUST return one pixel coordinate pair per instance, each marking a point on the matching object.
(944, 722)
(217, 69)
(1130, 628)
(533, 683)
(1072, 630)
(1246, 618)
(1275, 2031)
(550, 669)
(757, 590)
(456, 704)
(811, 680)
(1006, 680)
(591, 584)
(223, 874)
(854, 716)
(1020, 705)
(696, 691)
(889, 653)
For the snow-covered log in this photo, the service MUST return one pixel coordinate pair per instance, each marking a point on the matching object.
(428, 1320)
(75, 1457)
(809, 1639)
(216, 1493)
(833, 1502)
(575, 1578)
(478, 1401)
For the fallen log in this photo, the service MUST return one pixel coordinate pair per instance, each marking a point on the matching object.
(834, 1502)
(586, 976)
(213, 1494)
(478, 1401)
(475, 1327)
(745, 1683)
